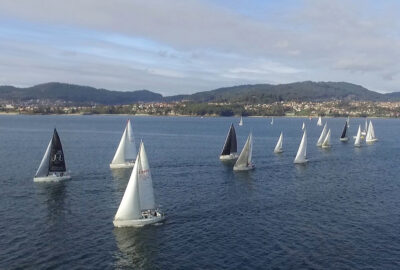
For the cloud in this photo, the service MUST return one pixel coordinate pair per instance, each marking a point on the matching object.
(177, 46)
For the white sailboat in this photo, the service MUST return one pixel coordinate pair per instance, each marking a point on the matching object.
(364, 132)
(244, 161)
(126, 152)
(348, 121)
(344, 137)
(323, 135)
(303, 126)
(327, 141)
(272, 121)
(52, 167)
(278, 147)
(370, 134)
(301, 156)
(137, 207)
(357, 142)
(319, 123)
(241, 121)
(229, 151)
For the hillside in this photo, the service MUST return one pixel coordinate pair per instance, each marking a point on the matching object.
(76, 94)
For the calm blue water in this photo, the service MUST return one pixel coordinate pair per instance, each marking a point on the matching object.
(341, 210)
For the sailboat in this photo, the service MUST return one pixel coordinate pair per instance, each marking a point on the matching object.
(126, 152)
(364, 132)
(303, 126)
(319, 123)
(327, 141)
(302, 151)
(323, 135)
(344, 137)
(244, 161)
(272, 121)
(278, 147)
(52, 167)
(137, 207)
(357, 142)
(241, 121)
(229, 151)
(370, 134)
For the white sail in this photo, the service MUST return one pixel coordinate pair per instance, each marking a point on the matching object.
(327, 140)
(126, 150)
(303, 126)
(278, 147)
(357, 142)
(319, 123)
(129, 207)
(348, 121)
(241, 121)
(145, 182)
(302, 151)
(366, 126)
(43, 169)
(371, 133)
(272, 121)
(323, 135)
(244, 160)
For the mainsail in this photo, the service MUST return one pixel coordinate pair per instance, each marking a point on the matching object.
(244, 159)
(327, 140)
(241, 121)
(357, 142)
(57, 161)
(302, 151)
(371, 133)
(278, 147)
(323, 135)
(126, 150)
(344, 132)
(230, 145)
(43, 169)
(146, 192)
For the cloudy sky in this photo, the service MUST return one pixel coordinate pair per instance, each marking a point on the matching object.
(185, 46)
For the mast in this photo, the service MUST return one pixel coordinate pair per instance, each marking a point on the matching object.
(323, 135)
(230, 145)
(57, 161)
(344, 130)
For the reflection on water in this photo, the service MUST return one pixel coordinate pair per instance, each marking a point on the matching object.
(53, 195)
(136, 246)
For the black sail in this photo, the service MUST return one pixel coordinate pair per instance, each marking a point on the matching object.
(57, 162)
(344, 131)
(230, 145)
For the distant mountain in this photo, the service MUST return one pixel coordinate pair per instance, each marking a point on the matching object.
(257, 93)
(299, 91)
(76, 94)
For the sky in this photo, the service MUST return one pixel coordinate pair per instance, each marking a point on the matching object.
(185, 46)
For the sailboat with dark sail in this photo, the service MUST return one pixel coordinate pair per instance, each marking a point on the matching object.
(229, 151)
(344, 137)
(52, 167)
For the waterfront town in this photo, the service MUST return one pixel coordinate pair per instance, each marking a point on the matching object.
(334, 108)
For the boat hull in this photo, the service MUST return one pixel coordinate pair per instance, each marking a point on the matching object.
(241, 168)
(300, 161)
(344, 139)
(371, 141)
(122, 165)
(139, 222)
(232, 156)
(52, 178)
(278, 151)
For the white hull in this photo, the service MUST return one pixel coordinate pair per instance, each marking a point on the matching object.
(240, 168)
(326, 146)
(363, 133)
(51, 178)
(122, 165)
(145, 220)
(371, 141)
(232, 156)
(344, 139)
(278, 151)
(300, 161)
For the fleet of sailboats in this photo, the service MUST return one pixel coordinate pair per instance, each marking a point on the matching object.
(229, 151)
(137, 207)
(278, 147)
(244, 163)
(52, 168)
(126, 152)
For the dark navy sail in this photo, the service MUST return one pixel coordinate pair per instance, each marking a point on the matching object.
(56, 162)
(230, 142)
(344, 131)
